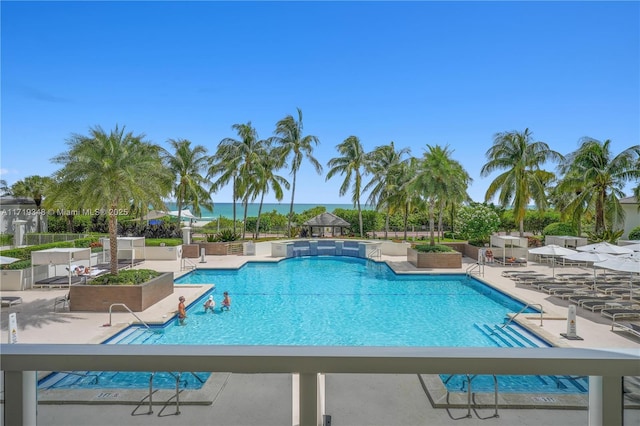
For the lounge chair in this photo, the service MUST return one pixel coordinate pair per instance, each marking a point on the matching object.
(11, 300)
(62, 301)
(579, 298)
(614, 313)
(630, 327)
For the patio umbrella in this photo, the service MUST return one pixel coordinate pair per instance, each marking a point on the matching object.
(626, 263)
(5, 260)
(589, 256)
(605, 247)
(634, 247)
(552, 250)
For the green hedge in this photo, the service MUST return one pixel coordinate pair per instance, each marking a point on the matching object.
(126, 277)
(437, 248)
(157, 242)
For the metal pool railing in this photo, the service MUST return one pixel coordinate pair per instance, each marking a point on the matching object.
(605, 368)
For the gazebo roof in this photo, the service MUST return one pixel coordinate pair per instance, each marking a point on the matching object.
(327, 219)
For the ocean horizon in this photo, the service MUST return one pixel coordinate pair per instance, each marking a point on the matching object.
(226, 209)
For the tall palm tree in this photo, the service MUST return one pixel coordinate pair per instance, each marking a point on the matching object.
(33, 187)
(595, 178)
(242, 155)
(523, 180)
(353, 164)
(438, 177)
(264, 179)
(186, 164)
(4, 188)
(292, 143)
(224, 164)
(112, 170)
(404, 198)
(384, 166)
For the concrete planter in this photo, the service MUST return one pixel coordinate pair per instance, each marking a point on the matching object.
(451, 260)
(98, 298)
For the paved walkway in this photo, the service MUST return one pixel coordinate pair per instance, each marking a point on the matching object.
(266, 399)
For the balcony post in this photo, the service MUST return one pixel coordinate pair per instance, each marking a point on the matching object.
(606, 406)
(309, 413)
(20, 398)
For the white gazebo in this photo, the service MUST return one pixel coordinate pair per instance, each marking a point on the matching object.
(566, 241)
(129, 248)
(517, 247)
(59, 256)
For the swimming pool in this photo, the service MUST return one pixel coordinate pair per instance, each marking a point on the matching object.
(338, 301)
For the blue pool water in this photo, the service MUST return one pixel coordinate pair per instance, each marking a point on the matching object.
(337, 301)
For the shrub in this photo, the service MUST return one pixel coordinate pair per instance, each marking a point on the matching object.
(126, 277)
(226, 235)
(559, 228)
(159, 242)
(477, 222)
(635, 233)
(437, 248)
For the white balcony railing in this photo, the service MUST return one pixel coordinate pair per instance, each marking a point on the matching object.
(605, 368)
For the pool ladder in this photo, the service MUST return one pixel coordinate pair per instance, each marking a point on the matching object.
(176, 376)
(471, 401)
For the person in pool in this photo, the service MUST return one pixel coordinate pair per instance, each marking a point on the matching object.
(210, 304)
(182, 313)
(226, 302)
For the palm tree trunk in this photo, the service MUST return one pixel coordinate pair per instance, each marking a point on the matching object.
(113, 241)
(521, 225)
(432, 221)
(245, 204)
(360, 219)
(259, 213)
(234, 204)
(293, 193)
(386, 224)
(406, 219)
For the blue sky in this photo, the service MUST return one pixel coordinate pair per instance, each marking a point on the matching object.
(416, 73)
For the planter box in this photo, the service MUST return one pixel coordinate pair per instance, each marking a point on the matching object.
(434, 260)
(98, 298)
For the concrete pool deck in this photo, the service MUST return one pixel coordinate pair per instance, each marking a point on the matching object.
(245, 399)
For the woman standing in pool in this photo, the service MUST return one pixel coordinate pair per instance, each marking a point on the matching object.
(226, 302)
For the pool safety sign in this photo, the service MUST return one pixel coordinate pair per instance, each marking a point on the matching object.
(13, 328)
(571, 333)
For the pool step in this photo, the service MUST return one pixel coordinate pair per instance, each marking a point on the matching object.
(510, 336)
(137, 335)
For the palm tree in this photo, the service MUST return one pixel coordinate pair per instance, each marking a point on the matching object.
(292, 143)
(438, 177)
(353, 164)
(242, 156)
(186, 165)
(265, 179)
(111, 171)
(224, 165)
(596, 179)
(4, 188)
(523, 180)
(32, 187)
(384, 166)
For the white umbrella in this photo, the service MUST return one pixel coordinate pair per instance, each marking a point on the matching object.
(605, 247)
(634, 247)
(5, 260)
(552, 250)
(626, 263)
(589, 256)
